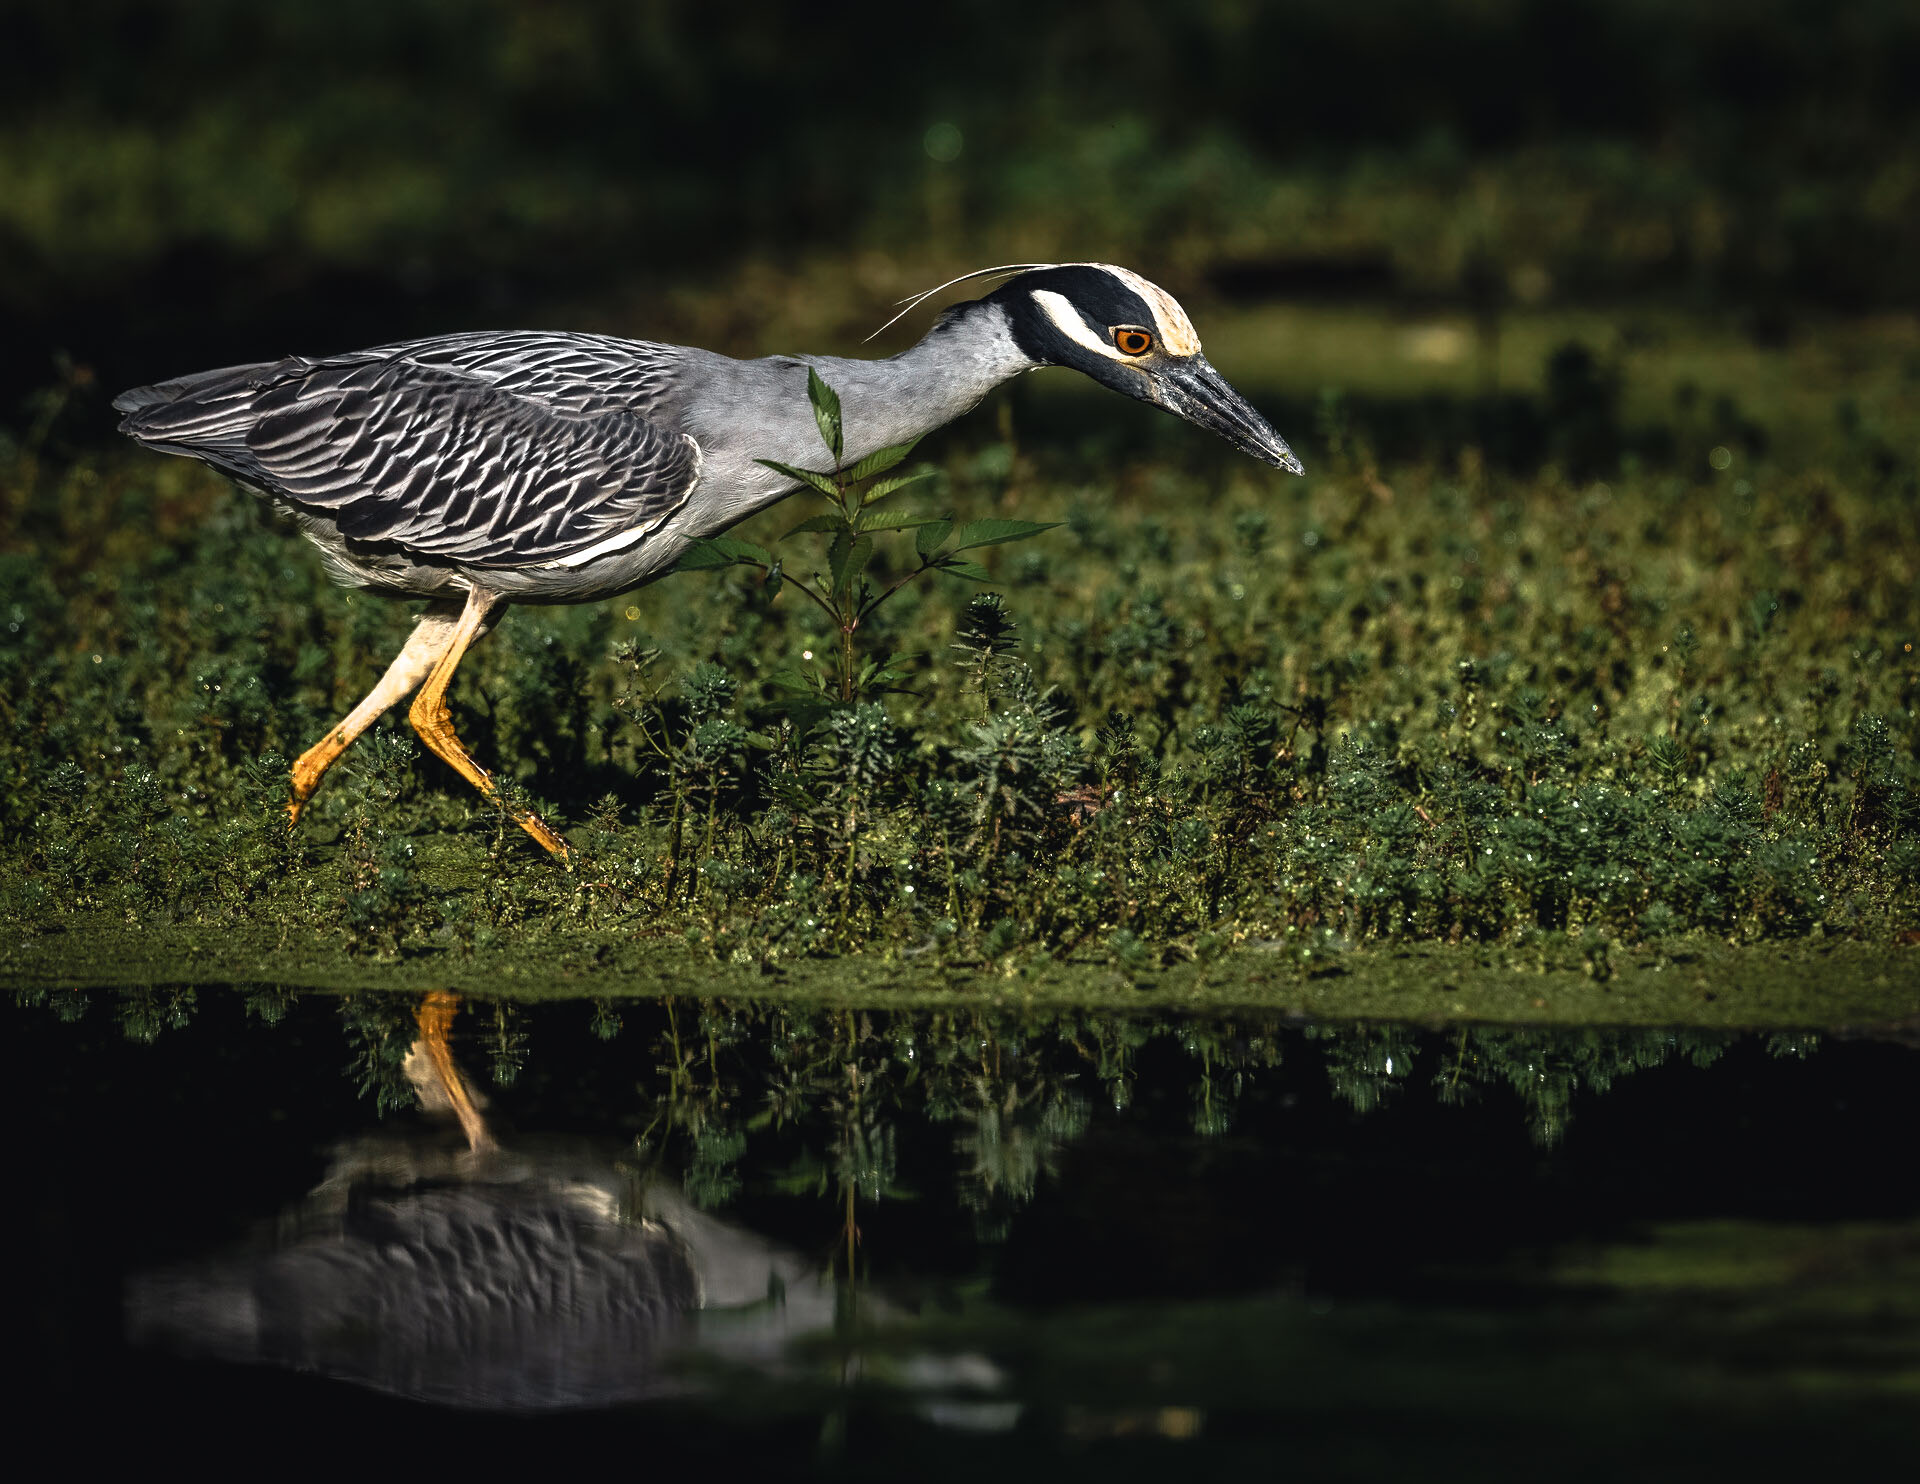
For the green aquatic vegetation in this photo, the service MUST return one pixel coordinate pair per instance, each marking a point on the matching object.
(1557, 722)
(842, 585)
(383, 895)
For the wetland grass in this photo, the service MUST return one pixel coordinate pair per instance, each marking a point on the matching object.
(1557, 715)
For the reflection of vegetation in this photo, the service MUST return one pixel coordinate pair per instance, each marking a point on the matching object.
(1545, 1072)
(689, 1104)
(821, 1103)
(606, 1022)
(144, 1013)
(506, 1042)
(270, 1003)
(380, 1032)
(1366, 1065)
(1013, 1142)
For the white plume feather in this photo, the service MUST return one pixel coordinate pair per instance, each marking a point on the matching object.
(914, 301)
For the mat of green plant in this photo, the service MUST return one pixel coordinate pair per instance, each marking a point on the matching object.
(1686, 981)
(1558, 709)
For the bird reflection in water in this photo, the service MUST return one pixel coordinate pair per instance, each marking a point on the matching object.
(444, 1266)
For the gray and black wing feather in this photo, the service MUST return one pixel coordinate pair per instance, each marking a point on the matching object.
(484, 451)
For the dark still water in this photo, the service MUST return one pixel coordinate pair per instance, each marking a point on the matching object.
(877, 1245)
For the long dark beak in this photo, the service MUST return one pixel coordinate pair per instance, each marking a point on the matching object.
(1194, 390)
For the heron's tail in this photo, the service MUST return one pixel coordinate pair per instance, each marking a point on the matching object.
(207, 407)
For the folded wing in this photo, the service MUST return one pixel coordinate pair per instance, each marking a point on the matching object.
(436, 461)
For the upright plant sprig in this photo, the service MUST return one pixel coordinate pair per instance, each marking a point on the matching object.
(839, 587)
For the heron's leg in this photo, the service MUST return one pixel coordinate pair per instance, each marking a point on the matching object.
(424, 646)
(435, 1018)
(434, 722)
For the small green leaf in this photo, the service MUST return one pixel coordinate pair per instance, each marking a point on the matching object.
(993, 532)
(826, 521)
(850, 561)
(701, 557)
(899, 482)
(890, 520)
(805, 712)
(837, 552)
(802, 476)
(743, 551)
(879, 461)
(826, 412)
(931, 535)
(797, 682)
(972, 571)
(721, 551)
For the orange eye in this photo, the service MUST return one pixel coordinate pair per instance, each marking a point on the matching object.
(1133, 342)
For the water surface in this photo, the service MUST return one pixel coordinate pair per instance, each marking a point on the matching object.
(861, 1243)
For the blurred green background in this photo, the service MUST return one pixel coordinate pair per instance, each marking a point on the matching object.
(184, 184)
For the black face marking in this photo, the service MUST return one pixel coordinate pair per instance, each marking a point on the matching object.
(1102, 300)
(1130, 336)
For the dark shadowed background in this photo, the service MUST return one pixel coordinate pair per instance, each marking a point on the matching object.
(184, 184)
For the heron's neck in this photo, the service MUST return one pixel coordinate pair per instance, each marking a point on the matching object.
(740, 412)
(907, 396)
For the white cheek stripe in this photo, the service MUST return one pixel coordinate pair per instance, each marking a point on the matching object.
(1067, 320)
(1177, 335)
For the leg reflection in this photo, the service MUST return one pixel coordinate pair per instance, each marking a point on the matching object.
(437, 1081)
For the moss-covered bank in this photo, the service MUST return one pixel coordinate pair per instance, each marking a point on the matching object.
(1678, 982)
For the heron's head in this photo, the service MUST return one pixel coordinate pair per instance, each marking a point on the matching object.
(1133, 336)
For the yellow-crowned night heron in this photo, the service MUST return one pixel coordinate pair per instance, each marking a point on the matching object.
(483, 469)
